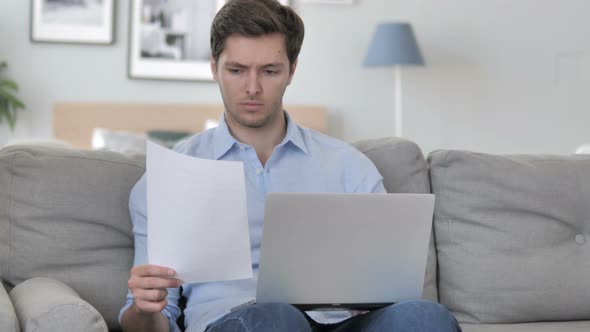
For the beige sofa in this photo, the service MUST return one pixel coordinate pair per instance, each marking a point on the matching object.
(510, 252)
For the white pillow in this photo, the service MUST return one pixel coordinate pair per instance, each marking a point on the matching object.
(583, 149)
(45, 304)
(118, 140)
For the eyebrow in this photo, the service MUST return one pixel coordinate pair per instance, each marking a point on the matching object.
(274, 64)
(239, 65)
(235, 64)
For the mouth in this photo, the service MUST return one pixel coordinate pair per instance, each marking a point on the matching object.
(251, 105)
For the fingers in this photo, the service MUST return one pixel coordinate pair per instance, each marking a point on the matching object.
(152, 282)
(148, 285)
(152, 276)
(152, 271)
(150, 300)
(151, 295)
(150, 307)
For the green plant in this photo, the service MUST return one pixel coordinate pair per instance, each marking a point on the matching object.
(9, 103)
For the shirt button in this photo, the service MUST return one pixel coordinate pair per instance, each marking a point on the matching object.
(580, 239)
(242, 148)
(258, 171)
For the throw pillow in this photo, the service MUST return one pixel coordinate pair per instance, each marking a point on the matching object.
(44, 304)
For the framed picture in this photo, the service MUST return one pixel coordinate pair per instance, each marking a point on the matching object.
(169, 40)
(73, 21)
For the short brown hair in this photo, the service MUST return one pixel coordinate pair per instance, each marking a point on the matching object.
(253, 18)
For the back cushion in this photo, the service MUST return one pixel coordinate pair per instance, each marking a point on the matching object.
(512, 236)
(404, 170)
(64, 215)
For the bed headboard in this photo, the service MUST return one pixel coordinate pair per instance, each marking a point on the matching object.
(75, 122)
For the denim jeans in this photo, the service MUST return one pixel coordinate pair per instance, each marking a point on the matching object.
(415, 316)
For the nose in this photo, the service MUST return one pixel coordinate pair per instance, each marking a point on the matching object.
(253, 85)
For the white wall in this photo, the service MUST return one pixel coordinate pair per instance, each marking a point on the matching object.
(502, 76)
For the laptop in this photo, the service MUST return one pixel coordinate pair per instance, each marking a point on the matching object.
(344, 251)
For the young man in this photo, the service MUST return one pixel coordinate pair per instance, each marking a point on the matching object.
(255, 44)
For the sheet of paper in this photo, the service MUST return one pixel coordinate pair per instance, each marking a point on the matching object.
(197, 216)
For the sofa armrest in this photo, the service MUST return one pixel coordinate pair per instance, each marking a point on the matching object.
(8, 319)
(50, 305)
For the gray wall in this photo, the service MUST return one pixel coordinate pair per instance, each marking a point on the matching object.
(503, 76)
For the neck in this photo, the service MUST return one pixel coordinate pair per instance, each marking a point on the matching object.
(263, 139)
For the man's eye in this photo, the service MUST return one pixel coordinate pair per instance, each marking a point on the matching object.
(235, 71)
(271, 72)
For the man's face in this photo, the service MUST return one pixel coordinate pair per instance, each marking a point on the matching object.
(253, 73)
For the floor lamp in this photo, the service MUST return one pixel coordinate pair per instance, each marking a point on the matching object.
(394, 45)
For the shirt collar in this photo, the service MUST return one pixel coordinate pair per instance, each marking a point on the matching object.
(294, 134)
(224, 141)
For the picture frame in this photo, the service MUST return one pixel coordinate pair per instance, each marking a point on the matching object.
(73, 21)
(170, 40)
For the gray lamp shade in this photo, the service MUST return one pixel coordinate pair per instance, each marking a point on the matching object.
(393, 44)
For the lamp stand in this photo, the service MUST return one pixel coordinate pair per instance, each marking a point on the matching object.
(397, 112)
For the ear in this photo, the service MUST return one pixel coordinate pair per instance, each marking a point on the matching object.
(214, 68)
(292, 72)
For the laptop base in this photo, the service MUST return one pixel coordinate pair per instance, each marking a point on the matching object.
(341, 306)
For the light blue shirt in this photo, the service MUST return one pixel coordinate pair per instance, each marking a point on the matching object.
(305, 161)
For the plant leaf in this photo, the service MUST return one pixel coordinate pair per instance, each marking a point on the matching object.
(11, 100)
(10, 118)
(3, 109)
(9, 103)
(9, 84)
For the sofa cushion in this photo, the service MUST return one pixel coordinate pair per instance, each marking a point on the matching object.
(44, 304)
(400, 162)
(404, 170)
(64, 215)
(512, 236)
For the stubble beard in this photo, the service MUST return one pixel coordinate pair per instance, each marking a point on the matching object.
(254, 123)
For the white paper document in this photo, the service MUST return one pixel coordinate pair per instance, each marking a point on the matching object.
(197, 216)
